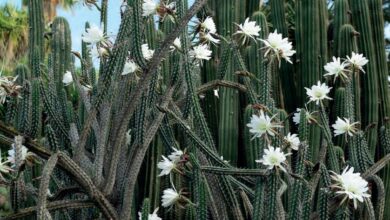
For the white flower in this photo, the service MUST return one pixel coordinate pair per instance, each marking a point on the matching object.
(297, 116)
(209, 38)
(344, 127)
(146, 52)
(225, 161)
(166, 166)
(216, 93)
(201, 52)
(292, 140)
(149, 7)
(209, 25)
(93, 35)
(388, 79)
(318, 92)
(175, 155)
(169, 197)
(357, 61)
(130, 67)
(24, 154)
(273, 158)
(98, 52)
(3, 95)
(280, 46)
(262, 124)
(248, 29)
(152, 216)
(176, 44)
(67, 78)
(351, 185)
(336, 68)
(4, 168)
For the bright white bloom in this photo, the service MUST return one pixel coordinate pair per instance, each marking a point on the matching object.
(279, 46)
(67, 78)
(262, 124)
(98, 52)
(318, 92)
(166, 166)
(209, 38)
(201, 52)
(4, 168)
(146, 52)
(3, 95)
(216, 93)
(152, 216)
(388, 79)
(93, 35)
(344, 127)
(351, 185)
(130, 67)
(175, 155)
(336, 68)
(169, 197)
(293, 141)
(24, 154)
(225, 161)
(209, 25)
(273, 158)
(248, 29)
(357, 61)
(176, 44)
(149, 7)
(297, 116)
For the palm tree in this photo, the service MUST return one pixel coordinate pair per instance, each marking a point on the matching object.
(13, 35)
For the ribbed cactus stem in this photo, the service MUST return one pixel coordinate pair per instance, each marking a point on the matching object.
(363, 23)
(36, 32)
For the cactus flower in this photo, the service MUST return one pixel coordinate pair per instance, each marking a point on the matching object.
(149, 7)
(248, 29)
(152, 216)
(25, 154)
(208, 25)
(201, 52)
(176, 44)
(273, 157)
(146, 52)
(262, 124)
(278, 46)
(297, 116)
(4, 168)
(175, 155)
(170, 197)
(336, 68)
(93, 35)
(166, 166)
(67, 78)
(130, 67)
(209, 38)
(357, 61)
(293, 141)
(318, 92)
(351, 185)
(344, 127)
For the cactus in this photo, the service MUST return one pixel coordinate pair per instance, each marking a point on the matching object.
(122, 140)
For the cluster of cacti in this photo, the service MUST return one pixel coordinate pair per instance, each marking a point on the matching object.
(232, 109)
